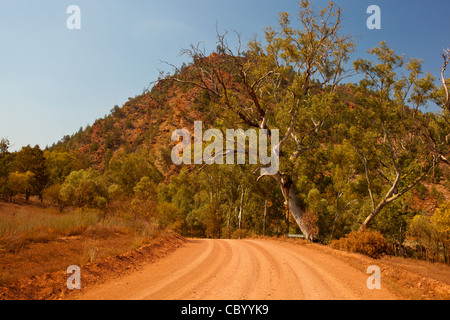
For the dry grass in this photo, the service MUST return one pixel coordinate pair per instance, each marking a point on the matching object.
(52, 285)
(37, 239)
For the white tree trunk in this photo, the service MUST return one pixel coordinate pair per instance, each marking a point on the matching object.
(298, 213)
(264, 217)
(241, 208)
(291, 199)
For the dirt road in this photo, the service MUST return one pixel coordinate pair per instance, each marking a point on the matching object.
(241, 269)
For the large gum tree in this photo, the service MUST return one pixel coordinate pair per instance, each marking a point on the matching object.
(287, 82)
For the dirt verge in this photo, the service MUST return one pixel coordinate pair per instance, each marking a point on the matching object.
(408, 278)
(53, 286)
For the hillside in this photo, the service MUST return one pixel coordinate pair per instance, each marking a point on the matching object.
(146, 122)
(143, 122)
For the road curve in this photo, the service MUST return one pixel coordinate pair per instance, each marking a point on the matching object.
(241, 269)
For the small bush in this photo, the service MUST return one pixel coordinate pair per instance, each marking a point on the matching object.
(90, 252)
(240, 234)
(369, 243)
(421, 189)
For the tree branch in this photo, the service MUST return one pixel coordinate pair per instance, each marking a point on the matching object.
(446, 57)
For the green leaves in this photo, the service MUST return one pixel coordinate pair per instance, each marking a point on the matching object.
(127, 170)
(32, 160)
(84, 188)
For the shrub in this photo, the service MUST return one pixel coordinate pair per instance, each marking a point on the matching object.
(94, 147)
(421, 189)
(432, 234)
(129, 124)
(240, 234)
(369, 243)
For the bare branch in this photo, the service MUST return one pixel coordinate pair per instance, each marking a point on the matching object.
(446, 56)
(391, 149)
(363, 158)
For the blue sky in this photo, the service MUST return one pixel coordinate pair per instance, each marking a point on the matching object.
(54, 80)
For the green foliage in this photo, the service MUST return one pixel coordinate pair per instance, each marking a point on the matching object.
(432, 234)
(126, 170)
(441, 219)
(32, 160)
(59, 164)
(170, 216)
(20, 183)
(94, 147)
(4, 146)
(117, 112)
(84, 188)
(53, 194)
(393, 222)
(145, 188)
(107, 124)
(5, 162)
(113, 138)
(218, 201)
(421, 189)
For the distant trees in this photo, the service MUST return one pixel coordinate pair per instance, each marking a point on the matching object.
(32, 160)
(432, 234)
(4, 146)
(84, 188)
(144, 203)
(28, 171)
(34, 172)
(60, 163)
(5, 160)
(441, 219)
(20, 183)
(117, 112)
(219, 201)
(130, 178)
(53, 194)
(127, 170)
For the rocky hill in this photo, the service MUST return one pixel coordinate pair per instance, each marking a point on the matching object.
(143, 122)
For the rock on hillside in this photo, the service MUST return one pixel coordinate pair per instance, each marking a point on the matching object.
(143, 122)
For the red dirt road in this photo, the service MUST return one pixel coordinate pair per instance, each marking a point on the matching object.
(241, 269)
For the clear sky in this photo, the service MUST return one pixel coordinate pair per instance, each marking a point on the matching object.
(54, 80)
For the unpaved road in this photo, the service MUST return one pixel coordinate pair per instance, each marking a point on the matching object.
(241, 269)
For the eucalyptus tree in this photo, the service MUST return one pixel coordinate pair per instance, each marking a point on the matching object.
(286, 82)
(31, 159)
(436, 126)
(386, 132)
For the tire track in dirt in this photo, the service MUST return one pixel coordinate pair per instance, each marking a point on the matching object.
(194, 285)
(284, 284)
(229, 281)
(314, 281)
(323, 276)
(241, 281)
(241, 269)
(172, 285)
